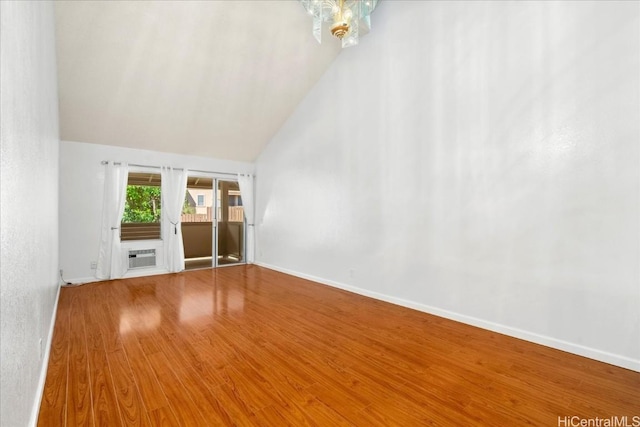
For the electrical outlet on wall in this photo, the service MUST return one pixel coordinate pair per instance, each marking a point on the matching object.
(93, 265)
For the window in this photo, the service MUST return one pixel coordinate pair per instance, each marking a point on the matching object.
(141, 219)
(200, 199)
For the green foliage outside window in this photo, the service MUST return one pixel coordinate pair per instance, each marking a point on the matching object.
(143, 204)
(186, 208)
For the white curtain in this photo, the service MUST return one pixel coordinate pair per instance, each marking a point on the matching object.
(246, 192)
(174, 187)
(110, 259)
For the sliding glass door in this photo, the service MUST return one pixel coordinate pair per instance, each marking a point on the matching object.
(213, 226)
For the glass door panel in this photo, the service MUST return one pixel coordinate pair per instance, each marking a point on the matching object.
(230, 224)
(197, 223)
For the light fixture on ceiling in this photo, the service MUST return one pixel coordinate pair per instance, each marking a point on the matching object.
(349, 19)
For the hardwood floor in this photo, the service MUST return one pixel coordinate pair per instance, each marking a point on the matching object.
(249, 346)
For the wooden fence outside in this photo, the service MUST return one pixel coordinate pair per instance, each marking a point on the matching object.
(236, 214)
(195, 218)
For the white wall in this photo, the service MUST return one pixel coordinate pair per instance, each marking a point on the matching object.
(28, 204)
(478, 160)
(81, 191)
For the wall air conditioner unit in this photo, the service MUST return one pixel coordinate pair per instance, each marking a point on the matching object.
(140, 258)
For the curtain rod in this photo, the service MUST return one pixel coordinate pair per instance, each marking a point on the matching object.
(104, 162)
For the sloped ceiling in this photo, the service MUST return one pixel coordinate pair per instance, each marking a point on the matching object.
(206, 78)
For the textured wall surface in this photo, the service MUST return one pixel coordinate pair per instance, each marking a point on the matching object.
(478, 160)
(29, 202)
(82, 188)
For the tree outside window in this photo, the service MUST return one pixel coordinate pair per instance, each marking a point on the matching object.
(143, 204)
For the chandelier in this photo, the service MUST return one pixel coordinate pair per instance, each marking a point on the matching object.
(348, 18)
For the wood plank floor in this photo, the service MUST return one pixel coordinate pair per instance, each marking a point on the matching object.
(249, 346)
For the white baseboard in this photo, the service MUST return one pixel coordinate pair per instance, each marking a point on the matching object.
(82, 280)
(148, 271)
(35, 411)
(128, 275)
(591, 353)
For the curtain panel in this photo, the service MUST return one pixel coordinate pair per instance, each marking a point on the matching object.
(110, 261)
(174, 187)
(246, 192)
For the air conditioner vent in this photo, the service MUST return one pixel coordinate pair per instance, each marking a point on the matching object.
(141, 258)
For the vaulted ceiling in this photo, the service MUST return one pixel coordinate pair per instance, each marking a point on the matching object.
(206, 78)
